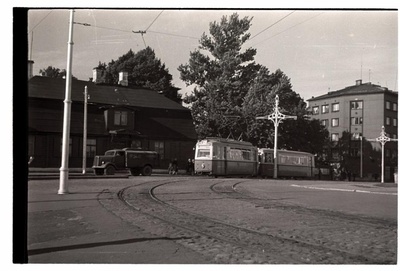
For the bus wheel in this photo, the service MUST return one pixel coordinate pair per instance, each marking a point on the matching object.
(147, 170)
(110, 170)
(99, 171)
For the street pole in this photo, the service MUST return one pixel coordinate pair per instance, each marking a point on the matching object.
(276, 117)
(383, 139)
(361, 157)
(63, 189)
(84, 131)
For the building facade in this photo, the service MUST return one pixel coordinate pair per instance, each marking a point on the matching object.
(117, 117)
(354, 117)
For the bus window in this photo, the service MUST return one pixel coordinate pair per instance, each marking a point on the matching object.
(205, 153)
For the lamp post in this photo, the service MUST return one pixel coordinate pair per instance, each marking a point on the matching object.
(84, 131)
(361, 157)
(276, 117)
(383, 139)
(63, 189)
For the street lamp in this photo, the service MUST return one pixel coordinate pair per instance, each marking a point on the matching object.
(276, 117)
(383, 139)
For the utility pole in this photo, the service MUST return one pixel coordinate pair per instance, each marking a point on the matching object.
(383, 139)
(67, 114)
(277, 117)
(361, 157)
(84, 131)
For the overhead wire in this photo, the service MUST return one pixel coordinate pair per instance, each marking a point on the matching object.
(271, 25)
(40, 21)
(289, 28)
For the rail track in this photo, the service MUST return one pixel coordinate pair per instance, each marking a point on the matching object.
(160, 208)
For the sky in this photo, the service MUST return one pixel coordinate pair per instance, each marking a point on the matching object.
(320, 50)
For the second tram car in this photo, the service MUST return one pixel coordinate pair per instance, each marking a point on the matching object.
(290, 163)
(220, 157)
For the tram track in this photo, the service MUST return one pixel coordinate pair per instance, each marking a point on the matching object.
(224, 241)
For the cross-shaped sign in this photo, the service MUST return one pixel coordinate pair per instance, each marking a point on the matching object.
(277, 117)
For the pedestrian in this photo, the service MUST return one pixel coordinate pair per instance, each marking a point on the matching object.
(175, 167)
(190, 167)
(349, 175)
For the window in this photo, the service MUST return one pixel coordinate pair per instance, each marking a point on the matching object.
(315, 110)
(388, 121)
(395, 107)
(325, 109)
(335, 122)
(136, 144)
(356, 120)
(159, 147)
(335, 107)
(394, 136)
(356, 105)
(394, 121)
(356, 136)
(335, 137)
(121, 118)
(91, 147)
(325, 123)
(388, 105)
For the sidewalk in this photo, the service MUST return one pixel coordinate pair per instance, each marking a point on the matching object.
(76, 228)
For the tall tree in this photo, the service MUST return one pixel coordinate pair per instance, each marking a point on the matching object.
(221, 73)
(144, 69)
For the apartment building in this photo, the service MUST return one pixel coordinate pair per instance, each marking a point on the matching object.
(359, 112)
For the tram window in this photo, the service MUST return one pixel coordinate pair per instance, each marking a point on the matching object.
(203, 153)
(246, 155)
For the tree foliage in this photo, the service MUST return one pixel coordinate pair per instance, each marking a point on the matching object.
(144, 69)
(231, 90)
(53, 72)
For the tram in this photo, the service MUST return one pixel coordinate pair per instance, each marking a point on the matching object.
(290, 164)
(222, 157)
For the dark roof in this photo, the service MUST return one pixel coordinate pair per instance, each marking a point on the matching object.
(363, 89)
(54, 88)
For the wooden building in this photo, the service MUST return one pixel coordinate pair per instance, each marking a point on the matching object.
(117, 117)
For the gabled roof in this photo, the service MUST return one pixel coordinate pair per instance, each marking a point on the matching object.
(54, 88)
(361, 89)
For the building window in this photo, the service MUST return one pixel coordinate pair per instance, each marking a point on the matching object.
(388, 107)
(324, 109)
(335, 137)
(394, 136)
(91, 147)
(315, 110)
(335, 122)
(395, 107)
(335, 154)
(394, 122)
(356, 105)
(356, 136)
(388, 122)
(335, 107)
(159, 147)
(356, 120)
(325, 123)
(388, 153)
(121, 118)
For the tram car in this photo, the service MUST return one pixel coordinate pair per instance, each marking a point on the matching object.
(222, 157)
(292, 164)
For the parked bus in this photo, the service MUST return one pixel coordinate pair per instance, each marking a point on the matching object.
(221, 157)
(290, 164)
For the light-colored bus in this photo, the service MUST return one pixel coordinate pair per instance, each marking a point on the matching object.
(290, 164)
(221, 157)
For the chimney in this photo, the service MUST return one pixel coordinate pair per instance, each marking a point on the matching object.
(358, 82)
(123, 78)
(98, 75)
(30, 69)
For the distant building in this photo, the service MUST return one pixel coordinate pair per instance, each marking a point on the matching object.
(118, 117)
(360, 110)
